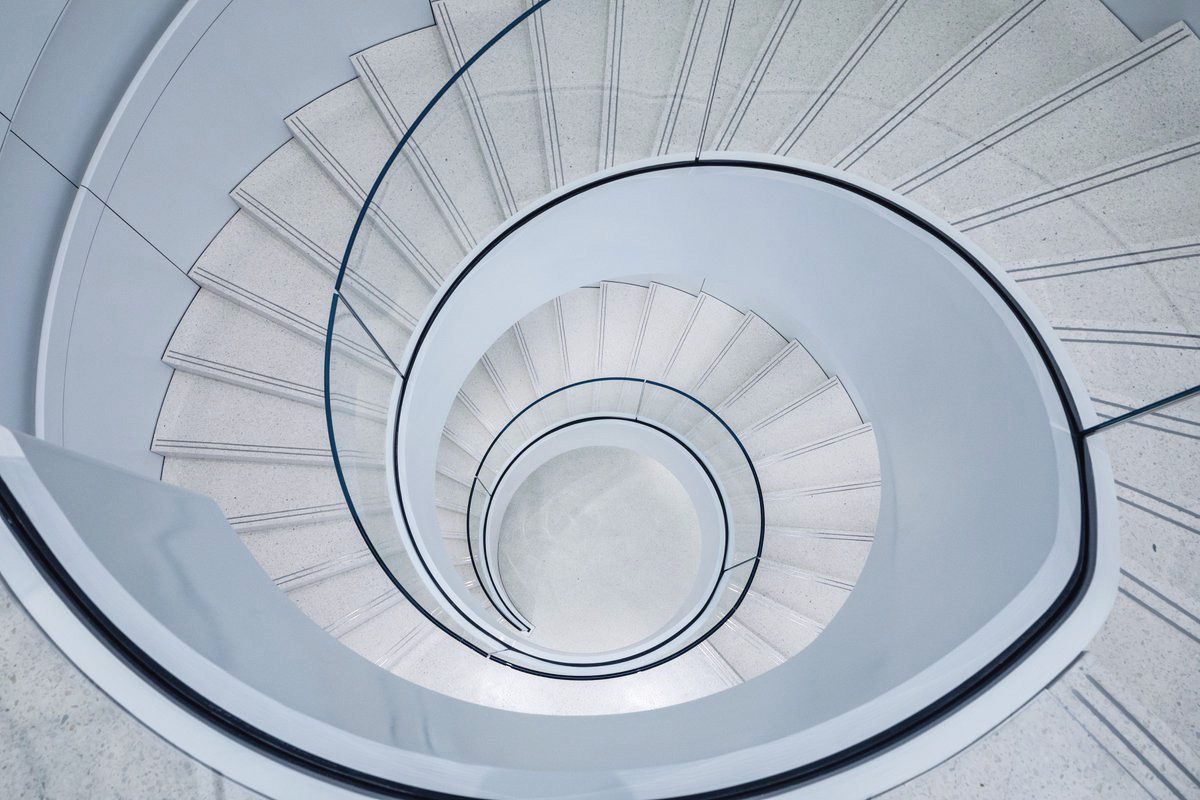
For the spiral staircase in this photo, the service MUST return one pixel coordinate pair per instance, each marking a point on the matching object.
(426, 464)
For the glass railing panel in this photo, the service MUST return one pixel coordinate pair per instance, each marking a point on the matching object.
(380, 289)
(359, 402)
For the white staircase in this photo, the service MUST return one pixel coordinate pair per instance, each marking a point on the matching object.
(1066, 149)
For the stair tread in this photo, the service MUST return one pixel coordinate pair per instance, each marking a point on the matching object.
(401, 75)
(1150, 197)
(213, 339)
(500, 96)
(641, 75)
(201, 417)
(1103, 119)
(569, 45)
(907, 41)
(1022, 58)
(344, 133)
(806, 41)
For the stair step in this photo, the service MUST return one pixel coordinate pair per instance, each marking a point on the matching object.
(337, 603)
(665, 312)
(730, 33)
(847, 457)
(211, 340)
(850, 507)
(785, 629)
(906, 42)
(753, 345)
(401, 76)
(1105, 118)
(642, 70)
(1128, 354)
(790, 376)
(540, 334)
(1133, 689)
(712, 325)
(292, 196)
(568, 41)
(813, 596)
(510, 366)
(1158, 497)
(805, 43)
(465, 430)
(622, 307)
(821, 413)
(1025, 56)
(393, 627)
(500, 96)
(203, 418)
(749, 654)
(343, 132)
(838, 554)
(1148, 198)
(307, 553)
(456, 463)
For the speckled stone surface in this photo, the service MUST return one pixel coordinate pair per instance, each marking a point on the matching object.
(401, 75)
(1041, 751)
(898, 50)
(1143, 101)
(1023, 58)
(63, 738)
(806, 43)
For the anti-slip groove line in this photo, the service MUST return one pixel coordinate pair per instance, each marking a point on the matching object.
(682, 77)
(783, 24)
(1147, 587)
(933, 87)
(1156, 498)
(616, 30)
(1039, 112)
(421, 264)
(475, 105)
(1133, 331)
(1154, 740)
(541, 51)
(349, 307)
(1159, 515)
(712, 87)
(1131, 344)
(818, 103)
(1070, 189)
(1127, 744)
(1178, 397)
(1111, 256)
(1124, 265)
(417, 157)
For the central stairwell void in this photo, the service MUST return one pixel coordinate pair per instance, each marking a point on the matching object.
(581, 358)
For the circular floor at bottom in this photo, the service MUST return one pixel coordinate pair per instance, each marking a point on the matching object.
(599, 549)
